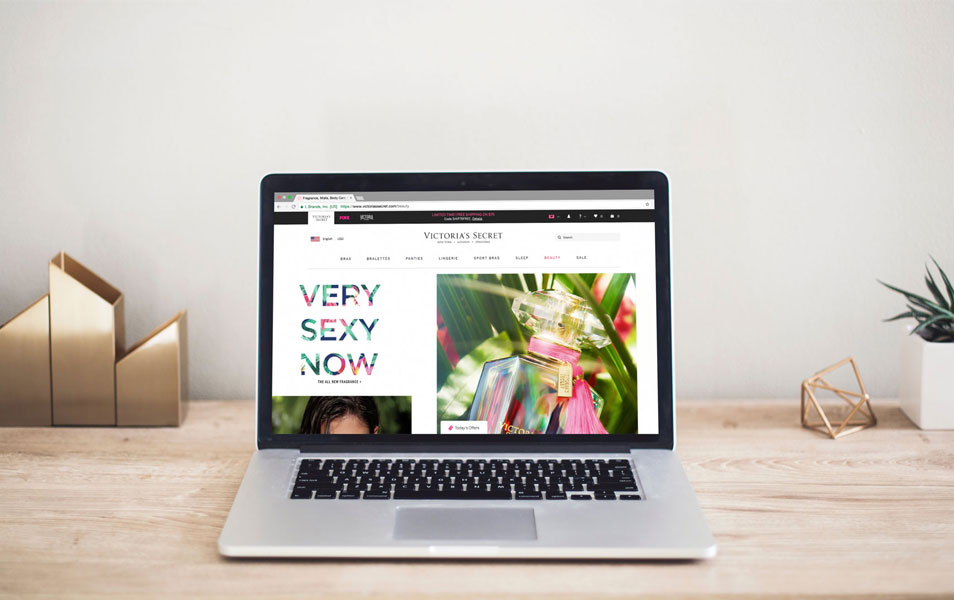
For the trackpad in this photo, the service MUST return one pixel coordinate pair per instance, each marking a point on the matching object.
(422, 523)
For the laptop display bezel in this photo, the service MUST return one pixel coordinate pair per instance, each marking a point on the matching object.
(490, 181)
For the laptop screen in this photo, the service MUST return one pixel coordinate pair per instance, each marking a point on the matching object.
(464, 313)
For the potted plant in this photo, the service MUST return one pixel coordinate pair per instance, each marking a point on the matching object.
(926, 386)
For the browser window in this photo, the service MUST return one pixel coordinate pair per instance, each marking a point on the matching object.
(462, 313)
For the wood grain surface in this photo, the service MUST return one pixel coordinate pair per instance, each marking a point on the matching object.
(131, 512)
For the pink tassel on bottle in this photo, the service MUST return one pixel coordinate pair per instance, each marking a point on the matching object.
(580, 414)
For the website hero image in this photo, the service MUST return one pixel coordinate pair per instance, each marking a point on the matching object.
(509, 313)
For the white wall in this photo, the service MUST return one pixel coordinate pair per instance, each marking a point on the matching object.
(810, 147)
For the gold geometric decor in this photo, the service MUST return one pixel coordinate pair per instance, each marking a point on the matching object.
(150, 379)
(86, 338)
(25, 367)
(63, 359)
(853, 410)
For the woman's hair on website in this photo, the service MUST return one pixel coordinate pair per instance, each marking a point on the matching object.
(322, 410)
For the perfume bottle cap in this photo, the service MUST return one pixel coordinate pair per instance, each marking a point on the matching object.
(560, 317)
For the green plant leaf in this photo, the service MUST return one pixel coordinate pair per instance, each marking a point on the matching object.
(904, 315)
(443, 365)
(498, 305)
(531, 280)
(947, 283)
(617, 416)
(925, 324)
(589, 278)
(932, 307)
(615, 292)
(614, 366)
(919, 312)
(932, 286)
(918, 300)
(464, 316)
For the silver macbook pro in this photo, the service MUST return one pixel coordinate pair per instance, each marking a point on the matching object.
(465, 365)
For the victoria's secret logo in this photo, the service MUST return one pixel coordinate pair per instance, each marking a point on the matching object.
(463, 235)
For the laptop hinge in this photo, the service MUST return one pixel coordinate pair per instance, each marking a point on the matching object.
(572, 449)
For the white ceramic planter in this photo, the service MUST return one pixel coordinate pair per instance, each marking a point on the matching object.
(926, 387)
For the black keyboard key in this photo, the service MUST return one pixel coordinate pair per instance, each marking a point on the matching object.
(556, 496)
(451, 495)
(580, 497)
(377, 495)
(528, 495)
(630, 497)
(622, 486)
(349, 495)
(604, 495)
(298, 494)
(325, 495)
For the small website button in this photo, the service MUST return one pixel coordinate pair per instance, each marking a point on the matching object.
(463, 427)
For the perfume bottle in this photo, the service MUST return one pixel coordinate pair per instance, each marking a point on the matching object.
(543, 391)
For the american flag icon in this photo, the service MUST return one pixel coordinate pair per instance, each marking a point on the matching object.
(316, 238)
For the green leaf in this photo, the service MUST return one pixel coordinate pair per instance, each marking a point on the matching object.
(497, 305)
(617, 416)
(947, 283)
(919, 300)
(932, 307)
(457, 394)
(531, 280)
(919, 313)
(614, 366)
(464, 316)
(565, 280)
(928, 323)
(443, 365)
(932, 286)
(615, 292)
(904, 315)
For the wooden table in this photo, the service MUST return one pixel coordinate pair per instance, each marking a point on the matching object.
(136, 512)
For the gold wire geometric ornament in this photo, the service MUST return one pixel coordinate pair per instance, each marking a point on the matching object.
(859, 415)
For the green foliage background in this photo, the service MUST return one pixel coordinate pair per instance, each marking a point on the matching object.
(476, 309)
(394, 412)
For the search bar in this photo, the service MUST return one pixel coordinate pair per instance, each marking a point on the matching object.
(587, 237)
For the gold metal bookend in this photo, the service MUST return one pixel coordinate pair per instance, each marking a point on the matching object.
(86, 337)
(859, 413)
(150, 378)
(62, 359)
(25, 367)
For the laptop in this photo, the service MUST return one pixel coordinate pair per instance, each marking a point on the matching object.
(457, 365)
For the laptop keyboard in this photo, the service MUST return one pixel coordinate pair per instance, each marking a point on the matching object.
(465, 479)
